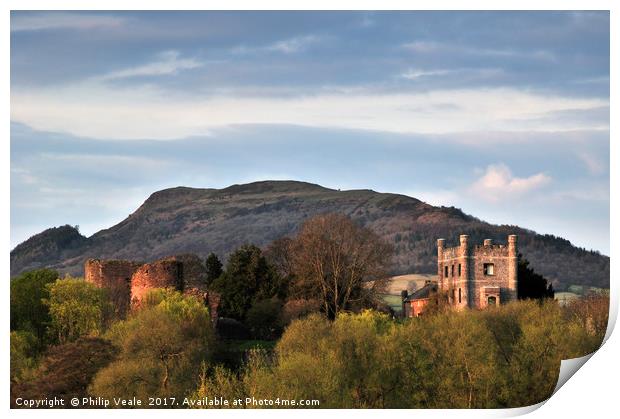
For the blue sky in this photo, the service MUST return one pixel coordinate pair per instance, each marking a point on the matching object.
(502, 114)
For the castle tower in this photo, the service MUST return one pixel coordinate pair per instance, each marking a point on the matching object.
(440, 246)
(478, 275)
(467, 285)
(163, 273)
(114, 276)
(512, 267)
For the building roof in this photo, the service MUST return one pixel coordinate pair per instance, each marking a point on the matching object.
(424, 292)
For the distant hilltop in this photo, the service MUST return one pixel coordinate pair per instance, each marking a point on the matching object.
(191, 220)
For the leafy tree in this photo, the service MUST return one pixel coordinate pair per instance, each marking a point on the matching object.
(223, 383)
(248, 278)
(24, 349)
(214, 268)
(66, 370)
(28, 312)
(332, 260)
(161, 349)
(77, 308)
(531, 284)
(507, 356)
(264, 319)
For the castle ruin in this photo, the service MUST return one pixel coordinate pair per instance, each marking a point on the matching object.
(128, 282)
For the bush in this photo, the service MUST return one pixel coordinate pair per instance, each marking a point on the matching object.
(508, 356)
(66, 370)
(162, 347)
(24, 349)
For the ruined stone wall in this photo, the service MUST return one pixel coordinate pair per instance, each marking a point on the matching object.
(163, 273)
(129, 282)
(115, 276)
(194, 272)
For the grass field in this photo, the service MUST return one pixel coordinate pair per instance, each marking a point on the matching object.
(409, 282)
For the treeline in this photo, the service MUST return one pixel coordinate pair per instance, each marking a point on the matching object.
(310, 296)
(507, 356)
(504, 357)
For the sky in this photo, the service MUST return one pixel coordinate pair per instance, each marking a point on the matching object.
(502, 114)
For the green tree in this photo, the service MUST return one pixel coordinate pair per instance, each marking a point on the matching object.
(28, 312)
(162, 347)
(264, 319)
(24, 350)
(531, 284)
(248, 278)
(214, 268)
(77, 308)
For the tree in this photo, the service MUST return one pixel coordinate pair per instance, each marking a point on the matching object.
(28, 312)
(66, 370)
(77, 308)
(333, 259)
(162, 347)
(214, 268)
(248, 278)
(264, 319)
(24, 348)
(531, 284)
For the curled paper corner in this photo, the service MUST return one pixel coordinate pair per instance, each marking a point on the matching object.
(568, 367)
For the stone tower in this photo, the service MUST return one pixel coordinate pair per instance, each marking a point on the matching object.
(480, 275)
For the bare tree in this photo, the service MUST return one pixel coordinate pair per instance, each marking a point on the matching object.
(339, 263)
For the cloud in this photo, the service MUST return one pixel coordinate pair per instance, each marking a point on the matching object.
(413, 74)
(286, 46)
(168, 63)
(426, 47)
(296, 44)
(62, 20)
(594, 165)
(498, 184)
(96, 110)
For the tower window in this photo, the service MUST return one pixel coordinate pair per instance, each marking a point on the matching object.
(452, 271)
(489, 269)
(459, 269)
(445, 271)
(459, 295)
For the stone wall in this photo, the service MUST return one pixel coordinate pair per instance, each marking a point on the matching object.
(129, 282)
(115, 276)
(163, 273)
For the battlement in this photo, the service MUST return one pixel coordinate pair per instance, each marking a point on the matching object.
(478, 275)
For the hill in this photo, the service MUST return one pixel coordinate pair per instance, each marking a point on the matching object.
(181, 220)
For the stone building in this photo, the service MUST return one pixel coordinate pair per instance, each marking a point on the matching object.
(468, 276)
(416, 304)
(477, 276)
(128, 282)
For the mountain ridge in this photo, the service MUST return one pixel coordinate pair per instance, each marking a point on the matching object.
(201, 220)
